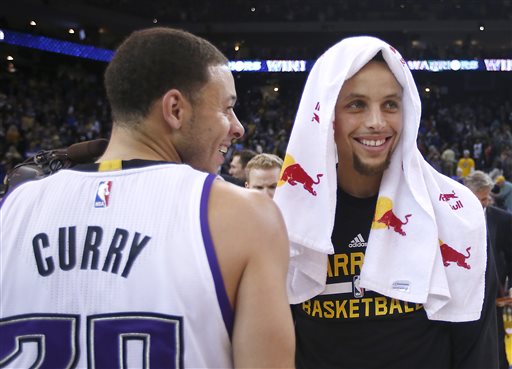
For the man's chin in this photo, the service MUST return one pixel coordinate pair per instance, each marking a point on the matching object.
(370, 169)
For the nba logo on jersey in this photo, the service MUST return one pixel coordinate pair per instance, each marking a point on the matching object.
(358, 291)
(103, 194)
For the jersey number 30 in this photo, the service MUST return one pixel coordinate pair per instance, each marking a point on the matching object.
(108, 339)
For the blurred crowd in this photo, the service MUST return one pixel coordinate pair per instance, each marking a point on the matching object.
(58, 107)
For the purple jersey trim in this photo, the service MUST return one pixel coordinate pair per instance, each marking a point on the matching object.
(222, 296)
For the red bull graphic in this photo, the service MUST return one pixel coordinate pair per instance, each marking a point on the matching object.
(447, 197)
(385, 217)
(392, 221)
(450, 255)
(316, 117)
(402, 60)
(293, 173)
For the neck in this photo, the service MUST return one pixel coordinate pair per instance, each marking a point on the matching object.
(147, 144)
(358, 185)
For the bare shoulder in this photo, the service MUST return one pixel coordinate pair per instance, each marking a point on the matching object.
(244, 212)
(247, 228)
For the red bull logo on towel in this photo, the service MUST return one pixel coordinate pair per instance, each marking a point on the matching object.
(450, 255)
(316, 116)
(386, 218)
(293, 173)
(448, 197)
(402, 60)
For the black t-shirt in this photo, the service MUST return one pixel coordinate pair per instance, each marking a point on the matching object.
(349, 327)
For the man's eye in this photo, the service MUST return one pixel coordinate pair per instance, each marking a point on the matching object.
(391, 105)
(358, 104)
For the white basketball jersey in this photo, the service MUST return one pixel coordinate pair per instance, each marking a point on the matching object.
(112, 269)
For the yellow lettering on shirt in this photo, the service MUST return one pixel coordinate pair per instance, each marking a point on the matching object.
(340, 309)
(380, 305)
(356, 260)
(407, 308)
(395, 305)
(354, 309)
(358, 308)
(366, 301)
(306, 306)
(343, 267)
(341, 264)
(317, 309)
(329, 309)
(340, 261)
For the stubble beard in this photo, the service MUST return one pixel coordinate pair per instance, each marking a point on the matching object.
(371, 170)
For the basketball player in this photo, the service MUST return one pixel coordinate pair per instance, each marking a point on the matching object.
(133, 261)
(354, 269)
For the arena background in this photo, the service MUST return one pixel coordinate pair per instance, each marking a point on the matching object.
(460, 52)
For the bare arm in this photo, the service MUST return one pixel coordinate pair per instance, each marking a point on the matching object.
(252, 246)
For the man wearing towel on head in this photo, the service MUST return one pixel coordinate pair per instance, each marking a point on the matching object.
(389, 265)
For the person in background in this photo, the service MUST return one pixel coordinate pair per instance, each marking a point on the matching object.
(499, 231)
(139, 260)
(448, 161)
(263, 173)
(503, 195)
(466, 164)
(434, 158)
(238, 163)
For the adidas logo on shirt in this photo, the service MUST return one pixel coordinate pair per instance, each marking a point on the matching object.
(358, 241)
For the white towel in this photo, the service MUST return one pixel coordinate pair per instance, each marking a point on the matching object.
(427, 243)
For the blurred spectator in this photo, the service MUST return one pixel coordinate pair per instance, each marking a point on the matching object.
(504, 196)
(466, 164)
(10, 159)
(448, 162)
(434, 158)
(238, 163)
(263, 172)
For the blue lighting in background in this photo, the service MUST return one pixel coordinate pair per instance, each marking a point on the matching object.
(56, 46)
(276, 66)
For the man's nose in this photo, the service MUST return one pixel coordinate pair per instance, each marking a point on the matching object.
(376, 119)
(237, 129)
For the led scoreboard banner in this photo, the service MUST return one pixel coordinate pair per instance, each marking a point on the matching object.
(454, 65)
(239, 66)
(489, 65)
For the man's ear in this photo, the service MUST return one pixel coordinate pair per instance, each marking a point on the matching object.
(175, 108)
(246, 184)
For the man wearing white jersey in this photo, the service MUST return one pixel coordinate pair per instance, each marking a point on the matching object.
(133, 261)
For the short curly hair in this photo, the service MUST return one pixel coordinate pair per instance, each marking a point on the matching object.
(151, 62)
